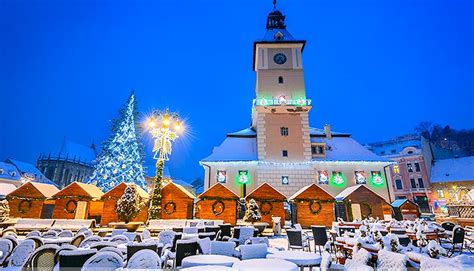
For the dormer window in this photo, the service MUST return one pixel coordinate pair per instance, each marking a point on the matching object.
(2, 171)
(13, 173)
(318, 150)
(278, 36)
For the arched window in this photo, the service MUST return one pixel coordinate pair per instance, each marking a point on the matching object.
(280, 80)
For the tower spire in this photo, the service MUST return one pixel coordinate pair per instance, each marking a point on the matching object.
(274, 4)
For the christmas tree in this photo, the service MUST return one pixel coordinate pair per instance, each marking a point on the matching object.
(122, 156)
(252, 214)
(128, 206)
(4, 210)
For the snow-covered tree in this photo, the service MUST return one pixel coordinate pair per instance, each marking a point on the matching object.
(122, 156)
(252, 214)
(4, 210)
(128, 206)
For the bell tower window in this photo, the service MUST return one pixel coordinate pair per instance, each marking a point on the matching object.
(280, 80)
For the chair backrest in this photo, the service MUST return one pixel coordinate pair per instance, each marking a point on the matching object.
(38, 241)
(210, 235)
(50, 234)
(257, 251)
(449, 226)
(245, 234)
(63, 247)
(225, 229)
(90, 240)
(144, 259)
(458, 235)
(343, 229)
(113, 249)
(6, 247)
(320, 235)
(185, 248)
(259, 240)
(146, 234)
(130, 235)
(204, 245)
(77, 240)
(12, 238)
(298, 227)
(236, 233)
(120, 239)
(295, 238)
(75, 258)
(103, 261)
(166, 237)
(214, 229)
(223, 248)
(135, 247)
(22, 253)
(326, 260)
(66, 233)
(100, 245)
(33, 233)
(404, 240)
(190, 230)
(44, 258)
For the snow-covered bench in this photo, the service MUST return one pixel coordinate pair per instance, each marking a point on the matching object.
(30, 224)
(157, 225)
(73, 224)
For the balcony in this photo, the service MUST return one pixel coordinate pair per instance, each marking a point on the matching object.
(417, 189)
(282, 102)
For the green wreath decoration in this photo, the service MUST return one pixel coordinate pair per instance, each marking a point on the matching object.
(218, 207)
(22, 208)
(312, 209)
(70, 206)
(168, 205)
(266, 211)
(365, 203)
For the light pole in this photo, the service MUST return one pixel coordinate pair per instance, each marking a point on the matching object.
(164, 127)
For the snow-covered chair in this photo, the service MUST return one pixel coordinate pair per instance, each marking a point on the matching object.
(12, 238)
(119, 239)
(117, 232)
(259, 240)
(133, 248)
(326, 260)
(66, 233)
(44, 257)
(6, 247)
(144, 259)
(359, 261)
(388, 260)
(146, 235)
(102, 244)
(190, 230)
(50, 234)
(33, 233)
(38, 240)
(245, 233)
(74, 258)
(184, 248)
(296, 240)
(103, 261)
(130, 235)
(204, 245)
(456, 241)
(223, 248)
(257, 251)
(77, 240)
(166, 238)
(21, 254)
(89, 241)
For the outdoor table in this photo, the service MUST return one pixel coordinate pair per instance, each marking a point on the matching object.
(200, 260)
(209, 268)
(265, 265)
(57, 241)
(300, 258)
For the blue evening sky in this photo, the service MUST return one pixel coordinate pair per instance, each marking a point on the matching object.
(373, 68)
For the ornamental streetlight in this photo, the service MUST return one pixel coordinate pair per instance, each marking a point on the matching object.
(165, 128)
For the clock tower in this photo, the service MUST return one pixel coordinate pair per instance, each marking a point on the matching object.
(280, 109)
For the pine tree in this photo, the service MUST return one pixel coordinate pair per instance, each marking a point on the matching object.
(122, 156)
(252, 214)
(128, 206)
(4, 210)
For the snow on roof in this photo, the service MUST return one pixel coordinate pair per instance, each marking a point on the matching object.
(270, 35)
(78, 152)
(24, 167)
(6, 188)
(91, 189)
(184, 190)
(266, 184)
(295, 195)
(247, 132)
(47, 190)
(346, 192)
(453, 170)
(140, 190)
(398, 202)
(218, 184)
(396, 145)
(9, 171)
(234, 149)
(346, 149)
(320, 132)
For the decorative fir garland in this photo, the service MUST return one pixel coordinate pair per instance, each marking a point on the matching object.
(25, 198)
(166, 208)
(23, 209)
(154, 211)
(219, 198)
(318, 210)
(215, 209)
(68, 208)
(266, 211)
(365, 203)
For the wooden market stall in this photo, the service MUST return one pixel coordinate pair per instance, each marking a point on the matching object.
(176, 202)
(218, 202)
(359, 202)
(270, 201)
(110, 204)
(32, 200)
(78, 201)
(405, 209)
(314, 206)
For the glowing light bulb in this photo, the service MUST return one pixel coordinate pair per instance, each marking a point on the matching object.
(166, 121)
(151, 123)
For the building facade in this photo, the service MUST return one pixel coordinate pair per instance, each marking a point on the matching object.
(72, 162)
(280, 148)
(410, 175)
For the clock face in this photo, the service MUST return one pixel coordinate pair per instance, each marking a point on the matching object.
(279, 58)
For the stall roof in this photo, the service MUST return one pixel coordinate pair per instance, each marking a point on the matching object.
(90, 189)
(215, 186)
(399, 202)
(304, 188)
(346, 192)
(282, 196)
(184, 190)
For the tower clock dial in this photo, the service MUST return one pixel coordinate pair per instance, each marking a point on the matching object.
(279, 59)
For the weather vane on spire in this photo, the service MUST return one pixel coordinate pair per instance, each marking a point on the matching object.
(274, 4)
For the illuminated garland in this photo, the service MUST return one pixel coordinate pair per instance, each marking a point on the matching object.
(68, 208)
(166, 208)
(25, 198)
(23, 209)
(266, 211)
(312, 210)
(216, 210)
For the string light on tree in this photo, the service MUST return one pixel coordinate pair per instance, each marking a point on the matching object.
(165, 127)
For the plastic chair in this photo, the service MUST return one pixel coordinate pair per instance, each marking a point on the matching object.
(144, 259)
(103, 261)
